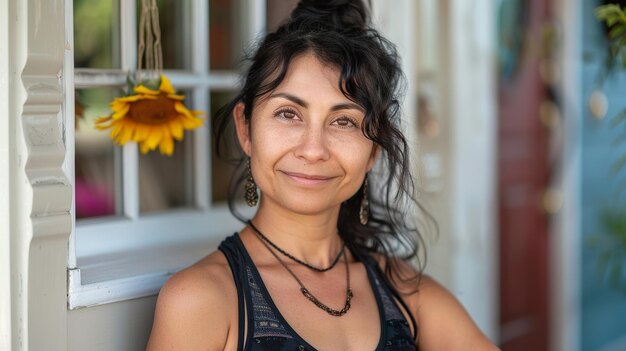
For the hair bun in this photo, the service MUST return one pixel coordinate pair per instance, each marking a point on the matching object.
(341, 14)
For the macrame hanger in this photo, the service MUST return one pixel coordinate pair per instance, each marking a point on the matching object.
(149, 41)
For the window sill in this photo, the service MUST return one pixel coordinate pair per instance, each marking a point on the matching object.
(133, 270)
(129, 275)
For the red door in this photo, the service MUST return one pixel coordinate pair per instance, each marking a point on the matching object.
(523, 176)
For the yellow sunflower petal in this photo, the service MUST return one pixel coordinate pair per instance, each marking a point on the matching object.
(191, 122)
(142, 132)
(167, 146)
(176, 97)
(126, 133)
(154, 139)
(141, 89)
(166, 131)
(121, 113)
(125, 99)
(103, 123)
(117, 128)
(166, 86)
(182, 109)
(176, 127)
(103, 119)
(116, 105)
(144, 148)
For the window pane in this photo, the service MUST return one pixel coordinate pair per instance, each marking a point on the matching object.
(175, 23)
(96, 34)
(221, 171)
(97, 169)
(226, 28)
(166, 182)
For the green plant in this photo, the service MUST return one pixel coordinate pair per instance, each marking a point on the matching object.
(611, 245)
(611, 241)
(615, 19)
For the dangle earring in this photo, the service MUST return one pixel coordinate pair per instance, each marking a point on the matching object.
(251, 196)
(364, 210)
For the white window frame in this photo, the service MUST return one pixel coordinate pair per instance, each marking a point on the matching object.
(129, 256)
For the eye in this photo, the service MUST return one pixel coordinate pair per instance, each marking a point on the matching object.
(346, 122)
(286, 114)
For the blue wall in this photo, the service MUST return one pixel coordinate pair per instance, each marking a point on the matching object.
(603, 308)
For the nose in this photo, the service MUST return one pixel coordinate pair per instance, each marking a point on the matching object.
(313, 145)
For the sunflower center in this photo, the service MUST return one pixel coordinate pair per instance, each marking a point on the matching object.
(153, 111)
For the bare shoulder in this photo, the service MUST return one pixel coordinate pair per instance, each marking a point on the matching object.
(442, 321)
(444, 324)
(195, 307)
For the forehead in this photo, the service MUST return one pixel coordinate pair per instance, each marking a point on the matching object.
(310, 77)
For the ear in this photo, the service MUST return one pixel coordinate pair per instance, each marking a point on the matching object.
(243, 128)
(373, 157)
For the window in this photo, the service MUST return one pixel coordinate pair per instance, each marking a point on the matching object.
(139, 218)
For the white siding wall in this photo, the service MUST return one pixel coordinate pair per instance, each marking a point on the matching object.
(120, 326)
(473, 121)
(460, 65)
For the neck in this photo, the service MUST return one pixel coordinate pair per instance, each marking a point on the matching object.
(311, 238)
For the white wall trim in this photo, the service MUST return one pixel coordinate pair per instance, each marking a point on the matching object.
(5, 214)
(470, 95)
(397, 24)
(40, 190)
(466, 71)
(565, 234)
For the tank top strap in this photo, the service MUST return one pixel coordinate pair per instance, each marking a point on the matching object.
(267, 329)
(236, 262)
(395, 321)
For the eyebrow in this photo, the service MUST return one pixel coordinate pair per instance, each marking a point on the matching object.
(299, 101)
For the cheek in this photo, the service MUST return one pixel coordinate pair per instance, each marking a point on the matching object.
(266, 140)
(355, 150)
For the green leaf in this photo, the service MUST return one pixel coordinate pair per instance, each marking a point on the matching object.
(608, 12)
(130, 84)
(617, 31)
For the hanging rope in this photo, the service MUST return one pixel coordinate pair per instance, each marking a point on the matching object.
(149, 40)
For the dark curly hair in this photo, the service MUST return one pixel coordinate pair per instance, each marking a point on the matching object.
(338, 33)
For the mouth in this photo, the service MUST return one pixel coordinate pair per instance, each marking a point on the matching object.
(307, 179)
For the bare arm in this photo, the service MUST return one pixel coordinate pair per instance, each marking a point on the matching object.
(443, 322)
(193, 311)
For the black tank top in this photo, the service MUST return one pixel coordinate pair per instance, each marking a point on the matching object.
(268, 329)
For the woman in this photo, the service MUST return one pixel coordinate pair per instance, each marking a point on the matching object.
(314, 269)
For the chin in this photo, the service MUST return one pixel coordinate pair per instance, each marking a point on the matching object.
(308, 205)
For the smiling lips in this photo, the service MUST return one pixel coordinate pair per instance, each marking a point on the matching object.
(307, 179)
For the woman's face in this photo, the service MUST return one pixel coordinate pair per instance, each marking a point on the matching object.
(307, 151)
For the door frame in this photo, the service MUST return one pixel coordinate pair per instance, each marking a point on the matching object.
(457, 68)
(5, 213)
(565, 231)
(39, 219)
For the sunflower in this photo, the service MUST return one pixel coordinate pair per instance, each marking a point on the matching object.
(151, 118)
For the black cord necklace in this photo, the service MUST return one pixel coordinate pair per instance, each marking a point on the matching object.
(306, 292)
(294, 258)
